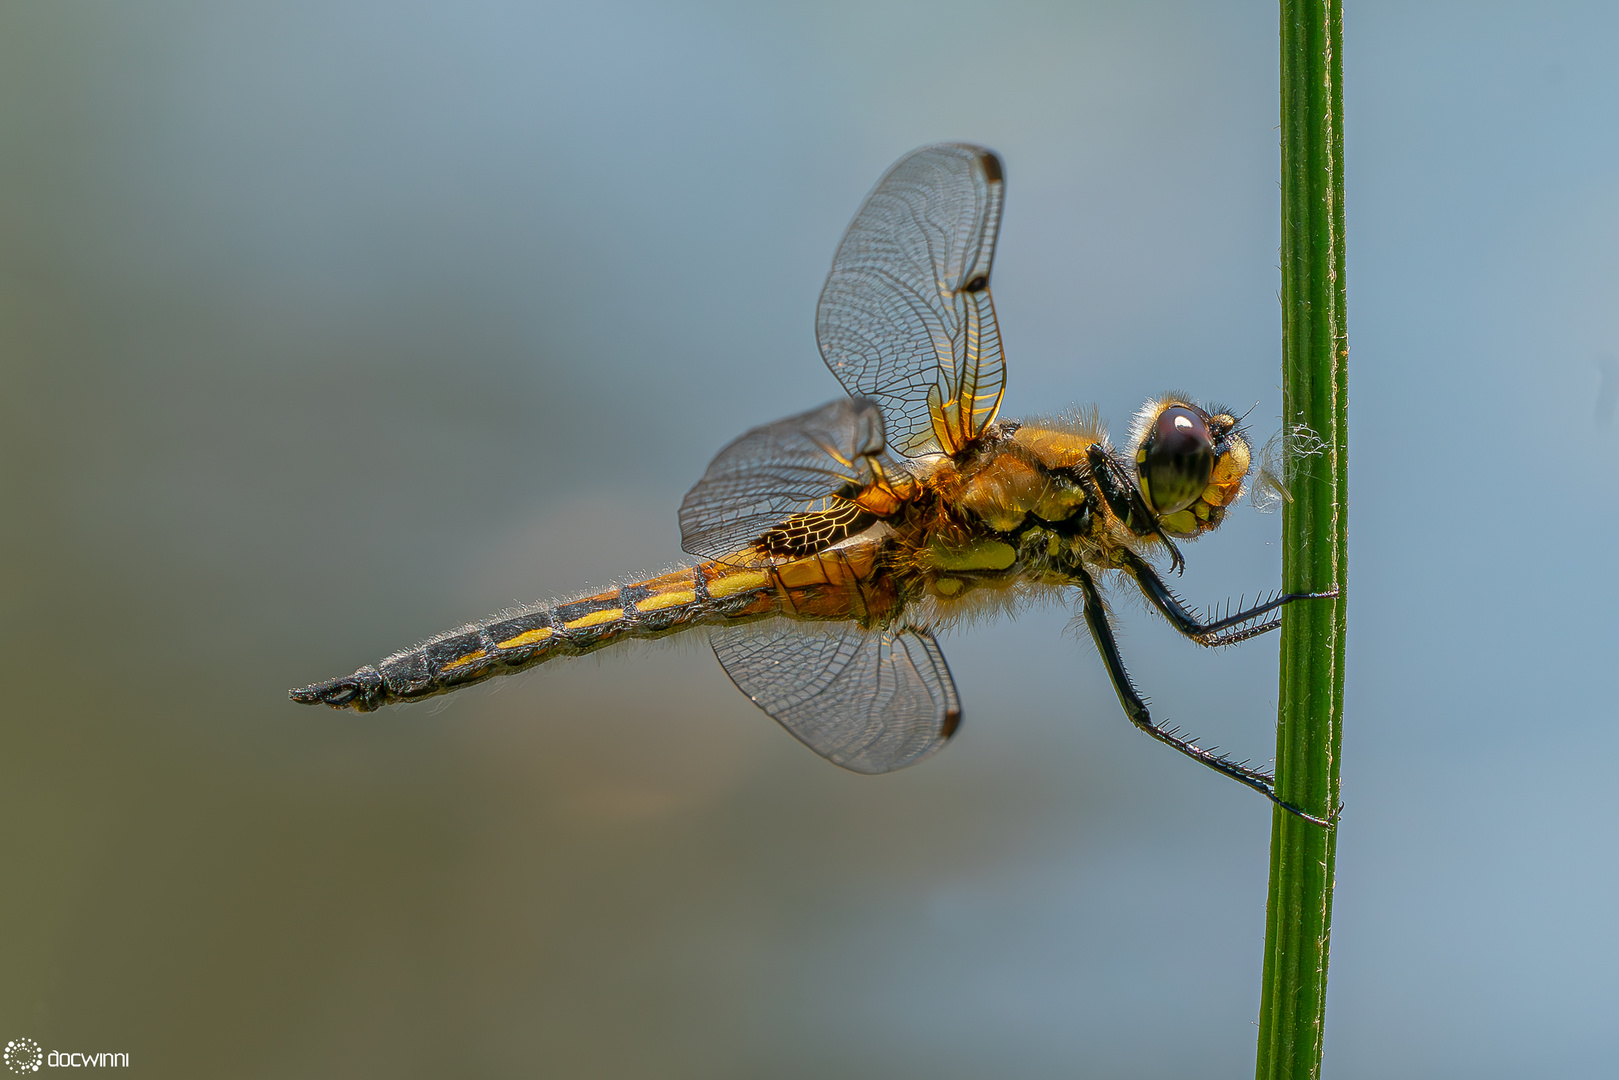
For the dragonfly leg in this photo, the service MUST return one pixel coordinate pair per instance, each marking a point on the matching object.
(1227, 630)
(1136, 709)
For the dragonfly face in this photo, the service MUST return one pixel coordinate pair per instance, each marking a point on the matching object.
(834, 543)
(1190, 465)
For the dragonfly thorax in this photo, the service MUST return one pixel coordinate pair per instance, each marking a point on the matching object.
(1011, 512)
(1022, 474)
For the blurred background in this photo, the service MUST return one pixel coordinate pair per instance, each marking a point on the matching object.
(328, 326)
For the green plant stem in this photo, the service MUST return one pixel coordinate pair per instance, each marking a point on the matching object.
(1315, 353)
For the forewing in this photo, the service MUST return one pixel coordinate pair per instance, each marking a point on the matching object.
(906, 315)
(871, 701)
(789, 471)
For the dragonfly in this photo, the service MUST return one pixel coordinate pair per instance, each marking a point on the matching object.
(833, 546)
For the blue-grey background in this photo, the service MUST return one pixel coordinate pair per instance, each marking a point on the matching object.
(326, 326)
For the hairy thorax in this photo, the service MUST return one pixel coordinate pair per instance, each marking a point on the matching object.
(987, 530)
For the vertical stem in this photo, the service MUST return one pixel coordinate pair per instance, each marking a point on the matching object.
(1315, 353)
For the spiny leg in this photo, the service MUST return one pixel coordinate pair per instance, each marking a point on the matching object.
(1136, 709)
(1210, 633)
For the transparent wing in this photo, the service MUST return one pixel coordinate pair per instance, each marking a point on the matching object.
(906, 315)
(871, 701)
(783, 489)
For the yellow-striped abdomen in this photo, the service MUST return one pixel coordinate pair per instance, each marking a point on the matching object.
(835, 584)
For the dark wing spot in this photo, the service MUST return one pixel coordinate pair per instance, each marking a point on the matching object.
(991, 165)
(806, 534)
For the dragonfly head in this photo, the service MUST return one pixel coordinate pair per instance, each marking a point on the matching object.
(1190, 463)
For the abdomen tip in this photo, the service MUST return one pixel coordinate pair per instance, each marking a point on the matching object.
(358, 691)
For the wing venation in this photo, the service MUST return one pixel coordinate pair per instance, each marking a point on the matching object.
(871, 701)
(906, 316)
(783, 490)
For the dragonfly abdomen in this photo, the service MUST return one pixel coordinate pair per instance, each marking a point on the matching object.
(819, 587)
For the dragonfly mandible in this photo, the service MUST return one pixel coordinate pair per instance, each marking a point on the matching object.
(835, 544)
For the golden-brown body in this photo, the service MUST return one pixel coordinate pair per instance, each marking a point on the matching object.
(957, 536)
(902, 509)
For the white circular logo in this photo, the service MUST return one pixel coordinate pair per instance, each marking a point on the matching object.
(24, 1055)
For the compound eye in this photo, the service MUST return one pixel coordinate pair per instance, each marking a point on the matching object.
(1177, 460)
